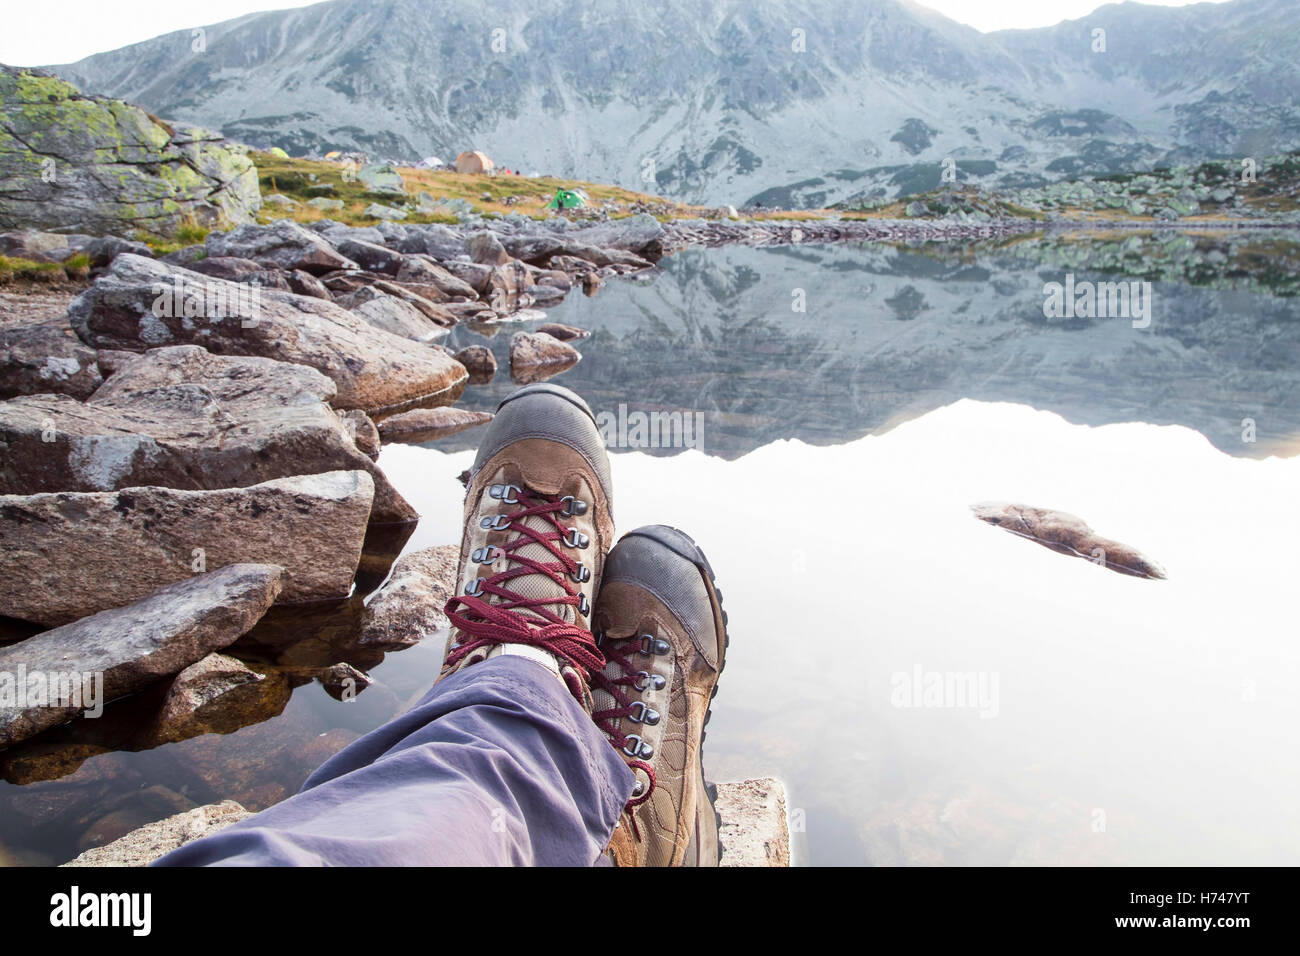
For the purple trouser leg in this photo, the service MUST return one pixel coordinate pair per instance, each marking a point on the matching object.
(497, 765)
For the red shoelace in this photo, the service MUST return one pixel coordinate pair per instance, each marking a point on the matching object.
(483, 624)
(619, 651)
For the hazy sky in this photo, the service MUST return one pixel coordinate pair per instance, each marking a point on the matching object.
(68, 30)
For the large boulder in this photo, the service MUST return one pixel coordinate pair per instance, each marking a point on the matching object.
(66, 555)
(284, 245)
(183, 418)
(77, 163)
(642, 234)
(142, 303)
(46, 357)
(132, 646)
(435, 241)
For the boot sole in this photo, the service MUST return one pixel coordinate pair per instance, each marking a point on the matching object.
(682, 544)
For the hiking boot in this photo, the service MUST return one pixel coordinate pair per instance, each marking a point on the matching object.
(538, 525)
(661, 627)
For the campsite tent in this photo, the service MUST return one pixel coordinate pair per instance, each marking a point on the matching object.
(474, 162)
(430, 162)
(568, 199)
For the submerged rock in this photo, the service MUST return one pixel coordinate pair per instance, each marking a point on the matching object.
(479, 362)
(216, 695)
(536, 356)
(135, 645)
(67, 555)
(142, 846)
(565, 333)
(1066, 534)
(408, 608)
(429, 424)
(142, 303)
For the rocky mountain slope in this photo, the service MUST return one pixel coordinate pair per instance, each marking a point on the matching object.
(722, 101)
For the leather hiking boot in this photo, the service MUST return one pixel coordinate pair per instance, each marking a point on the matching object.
(663, 632)
(538, 525)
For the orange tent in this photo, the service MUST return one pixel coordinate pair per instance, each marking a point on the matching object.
(474, 162)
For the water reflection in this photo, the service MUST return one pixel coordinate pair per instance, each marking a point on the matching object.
(1136, 721)
(889, 334)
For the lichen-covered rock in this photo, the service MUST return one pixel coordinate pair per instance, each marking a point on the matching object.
(78, 163)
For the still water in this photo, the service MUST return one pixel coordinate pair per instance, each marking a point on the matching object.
(1117, 720)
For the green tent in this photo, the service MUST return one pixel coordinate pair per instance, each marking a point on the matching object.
(567, 199)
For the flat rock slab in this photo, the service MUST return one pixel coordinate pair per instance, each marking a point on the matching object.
(755, 831)
(408, 608)
(64, 556)
(429, 424)
(135, 645)
(1066, 534)
(182, 417)
(141, 847)
(143, 303)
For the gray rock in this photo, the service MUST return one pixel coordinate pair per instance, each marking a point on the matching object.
(136, 645)
(116, 169)
(141, 847)
(66, 555)
(103, 251)
(408, 608)
(641, 234)
(424, 271)
(182, 417)
(36, 246)
(473, 274)
(363, 432)
(370, 256)
(378, 211)
(535, 357)
(276, 199)
(283, 245)
(439, 242)
(486, 248)
(46, 357)
(392, 314)
(565, 333)
(371, 369)
(382, 178)
(325, 203)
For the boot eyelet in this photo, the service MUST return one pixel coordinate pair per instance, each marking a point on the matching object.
(506, 493)
(580, 576)
(494, 522)
(583, 606)
(485, 555)
(638, 789)
(645, 680)
(474, 588)
(572, 506)
(653, 645)
(642, 751)
(642, 713)
(576, 539)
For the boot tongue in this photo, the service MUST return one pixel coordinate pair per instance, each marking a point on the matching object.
(536, 585)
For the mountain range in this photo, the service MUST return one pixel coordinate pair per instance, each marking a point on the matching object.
(734, 101)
